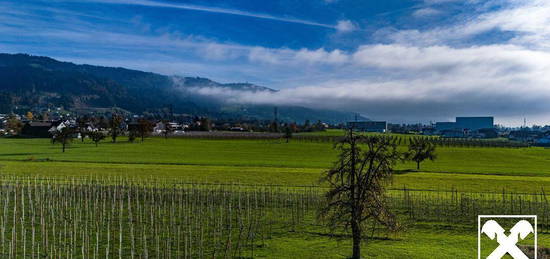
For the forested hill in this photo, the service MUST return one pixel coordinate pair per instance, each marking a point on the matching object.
(35, 81)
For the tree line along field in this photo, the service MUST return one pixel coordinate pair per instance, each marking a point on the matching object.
(435, 203)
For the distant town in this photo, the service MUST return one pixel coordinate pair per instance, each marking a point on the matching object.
(43, 124)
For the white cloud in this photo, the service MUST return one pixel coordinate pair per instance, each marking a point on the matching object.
(528, 19)
(288, 57)
(443, 57)
(425, 12)
(217, 52)
(321, 56)
(425, 82)
(345, 26)
(264, 55)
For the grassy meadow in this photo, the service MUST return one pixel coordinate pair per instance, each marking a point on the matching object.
(284, 165)
(271, 162)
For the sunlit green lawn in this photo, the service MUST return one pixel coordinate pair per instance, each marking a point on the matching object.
(271, 162)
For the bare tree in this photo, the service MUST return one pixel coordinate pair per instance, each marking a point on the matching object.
(205, 124)
(357, 185)
(145, 127)
(420, 150)
(132, 133)
(168, 129)
(82, 125)
(115, 126)
(64, 136)
(288, 133)
(96, 136)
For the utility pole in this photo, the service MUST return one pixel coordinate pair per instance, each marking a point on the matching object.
(171, 112)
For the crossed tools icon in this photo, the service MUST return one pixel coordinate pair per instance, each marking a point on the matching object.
(507, 244)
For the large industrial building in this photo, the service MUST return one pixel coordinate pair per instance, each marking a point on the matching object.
(440, 126)
(467, 123)
(475, 123)
(368, 126)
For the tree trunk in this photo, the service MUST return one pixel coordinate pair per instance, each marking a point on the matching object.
(417, 165)
(356, 235)
(355, 214)
(63, 145)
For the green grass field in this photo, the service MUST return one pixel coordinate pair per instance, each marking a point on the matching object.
(274, 162)
(329, 132)
(271, 162)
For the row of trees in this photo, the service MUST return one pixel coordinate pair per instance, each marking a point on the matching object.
(114, 128)
(97, 130)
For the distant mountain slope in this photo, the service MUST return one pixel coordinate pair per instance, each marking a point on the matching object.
(42, 81)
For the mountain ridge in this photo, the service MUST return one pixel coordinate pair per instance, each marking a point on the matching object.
(37, 81)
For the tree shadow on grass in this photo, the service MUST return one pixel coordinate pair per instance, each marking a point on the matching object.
(58, 146)
(22, 154)
(404, 171)
(348, 236)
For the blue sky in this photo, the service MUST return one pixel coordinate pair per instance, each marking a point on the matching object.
(399, 60)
